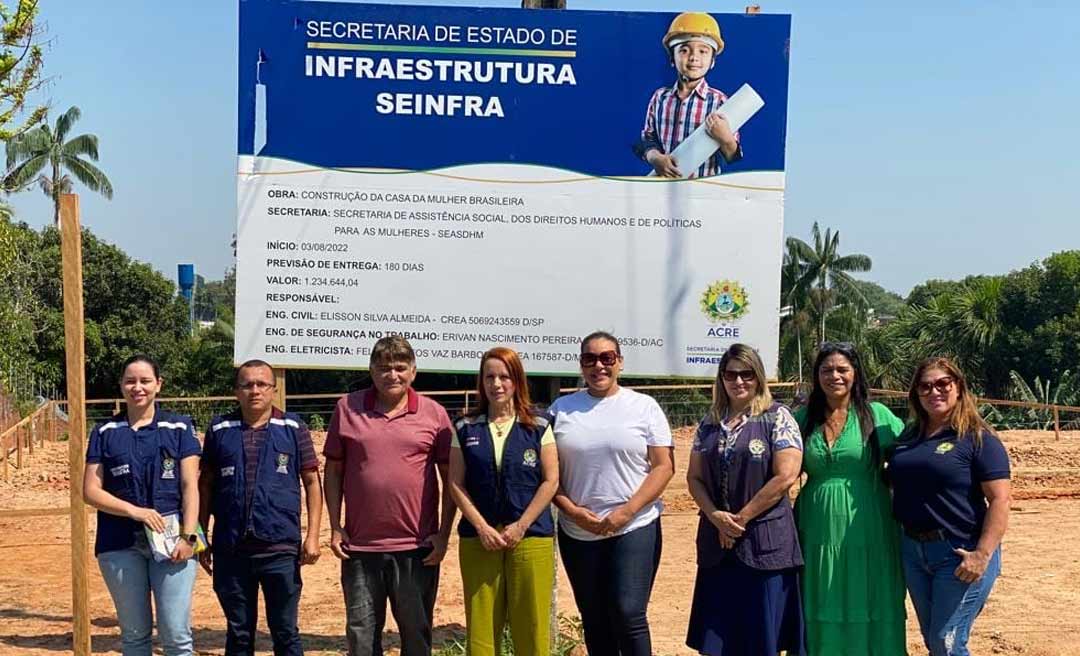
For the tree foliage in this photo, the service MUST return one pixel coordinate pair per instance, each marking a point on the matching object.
(45, 156)
(20, 67)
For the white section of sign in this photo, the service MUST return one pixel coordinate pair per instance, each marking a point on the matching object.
(464, 259)
(696, 149)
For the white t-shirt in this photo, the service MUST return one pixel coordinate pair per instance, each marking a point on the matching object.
(603, 454)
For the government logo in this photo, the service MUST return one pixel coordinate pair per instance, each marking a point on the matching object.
(724, 300)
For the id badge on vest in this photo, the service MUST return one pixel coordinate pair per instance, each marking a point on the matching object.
(283, 463)
(168, 468)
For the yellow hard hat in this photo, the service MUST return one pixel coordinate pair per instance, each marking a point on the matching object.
(689, 25)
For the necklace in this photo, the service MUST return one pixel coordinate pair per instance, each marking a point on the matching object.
(834, 426)
(502, 427)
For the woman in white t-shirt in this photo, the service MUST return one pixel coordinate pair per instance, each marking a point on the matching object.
(615, 459)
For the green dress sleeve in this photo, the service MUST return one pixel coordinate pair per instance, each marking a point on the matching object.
(889, 426)
(800, 417)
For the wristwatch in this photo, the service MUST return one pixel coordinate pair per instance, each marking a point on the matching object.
(190, 538)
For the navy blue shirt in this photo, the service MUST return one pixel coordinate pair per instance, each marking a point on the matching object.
(132, 463)
(937, 483)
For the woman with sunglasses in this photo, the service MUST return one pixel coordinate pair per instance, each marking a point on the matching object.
(853, 585)
(615, 459)
(745, 457)
(950, 478)
(142, 472)
(504, 470)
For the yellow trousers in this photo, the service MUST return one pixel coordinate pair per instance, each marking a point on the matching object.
(512, 585)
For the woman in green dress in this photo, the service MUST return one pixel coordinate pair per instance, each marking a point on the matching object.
(853, 583)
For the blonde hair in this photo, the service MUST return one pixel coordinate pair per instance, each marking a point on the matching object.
(762, 397)
(964, 417)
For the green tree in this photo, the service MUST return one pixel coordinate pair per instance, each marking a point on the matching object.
(826, 273)
(20, 67)
(49, 149)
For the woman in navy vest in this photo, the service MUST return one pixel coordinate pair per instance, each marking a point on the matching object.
(504, 470)
(142, 470)
(950, 478)
(746, 455)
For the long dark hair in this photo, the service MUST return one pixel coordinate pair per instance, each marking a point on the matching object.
(817, 404)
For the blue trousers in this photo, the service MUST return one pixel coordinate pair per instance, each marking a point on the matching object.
(945, 605)
(612, 580)
(237, 579)
(132, 575)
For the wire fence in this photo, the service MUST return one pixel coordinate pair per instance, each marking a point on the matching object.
(684, 405)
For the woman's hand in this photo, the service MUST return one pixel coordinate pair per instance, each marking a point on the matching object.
(490, 539)
(587, 520)
(512, 534)
(150, 517)
(727, 523)
(616, 520)
(182, 551)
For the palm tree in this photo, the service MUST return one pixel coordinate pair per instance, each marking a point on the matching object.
(827, 274)
(31, 152)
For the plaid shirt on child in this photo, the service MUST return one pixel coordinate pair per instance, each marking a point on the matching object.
(669, 120)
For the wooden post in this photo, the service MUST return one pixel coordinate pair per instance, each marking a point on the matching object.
(74, 327)
(7, 456)
(279, 390)
(116, 407)
(31, 434)
(19, 433)
(1057, 424)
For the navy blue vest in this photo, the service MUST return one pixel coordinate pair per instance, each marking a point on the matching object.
(502, 495)
(771, 541)
(147, 482)
(275, 504)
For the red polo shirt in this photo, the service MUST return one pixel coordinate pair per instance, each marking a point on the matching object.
(390, 481)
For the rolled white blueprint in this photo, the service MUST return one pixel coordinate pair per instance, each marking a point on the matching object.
(696, 149)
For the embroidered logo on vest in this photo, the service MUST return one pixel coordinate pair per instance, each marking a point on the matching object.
(757, 448)
(228, 471)
(168, 468)
(120, 470)
(944, 448)
(283, 463)
(529, 459)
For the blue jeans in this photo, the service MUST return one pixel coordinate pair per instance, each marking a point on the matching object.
(237, 579)
(945, 605)
(132, 575)
(612, 580)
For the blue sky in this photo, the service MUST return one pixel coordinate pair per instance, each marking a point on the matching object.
(939, 138)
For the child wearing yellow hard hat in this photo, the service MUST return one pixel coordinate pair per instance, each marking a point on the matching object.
(692, 42)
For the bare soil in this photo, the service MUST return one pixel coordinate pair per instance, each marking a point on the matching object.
(1032, 610)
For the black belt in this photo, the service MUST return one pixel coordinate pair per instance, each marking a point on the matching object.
(933, 535)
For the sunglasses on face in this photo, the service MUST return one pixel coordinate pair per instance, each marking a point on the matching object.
(607, 358)
(747, 375)
(942, 385)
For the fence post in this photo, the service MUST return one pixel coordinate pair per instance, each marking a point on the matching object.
(1057, 424)
(18, 448)
(30, 434)
(116, 407)
(7, 456)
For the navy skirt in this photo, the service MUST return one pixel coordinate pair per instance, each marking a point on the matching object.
(741, 611)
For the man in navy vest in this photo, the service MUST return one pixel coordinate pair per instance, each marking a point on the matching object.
(255, 460)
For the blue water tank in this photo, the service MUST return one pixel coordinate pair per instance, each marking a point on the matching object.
(185, 278)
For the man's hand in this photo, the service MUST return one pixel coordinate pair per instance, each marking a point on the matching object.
(972, 565)
(717, 127)
(311, 550)
(512, 534)
(438, 550)
(664, 165)
(206, 560)
(337, 540)
(616, 520)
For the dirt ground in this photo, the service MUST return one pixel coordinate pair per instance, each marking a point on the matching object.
(1032, 610)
